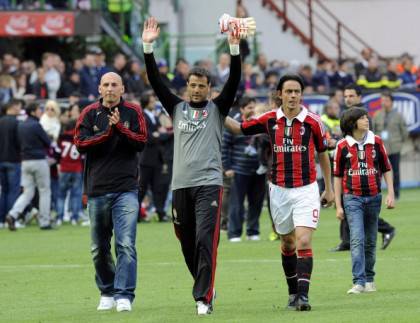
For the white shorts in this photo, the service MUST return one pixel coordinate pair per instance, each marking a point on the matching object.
(294, 207)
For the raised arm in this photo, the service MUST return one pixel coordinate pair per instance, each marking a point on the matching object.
(226, 98)
(151, 32)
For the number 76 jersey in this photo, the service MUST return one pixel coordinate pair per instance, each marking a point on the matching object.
(71, 160)
(293, 145)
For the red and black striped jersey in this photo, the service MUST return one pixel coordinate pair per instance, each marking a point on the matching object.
(293, 145)
(70, 160)
(361, 165)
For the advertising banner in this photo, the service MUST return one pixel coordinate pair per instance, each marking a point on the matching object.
(408, 104)
(36, 24)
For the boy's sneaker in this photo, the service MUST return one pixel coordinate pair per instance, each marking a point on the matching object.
(356, 289)
(370, 287)
(123, 304)
(292, 303)
(106, 303)
(303, 303)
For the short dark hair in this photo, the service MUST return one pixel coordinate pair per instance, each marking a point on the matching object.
(31, 108)
(9, 105)
(348, 121)
(290, 77)
(244, 101)
(200, 72)
(388, 94)
(354, 87)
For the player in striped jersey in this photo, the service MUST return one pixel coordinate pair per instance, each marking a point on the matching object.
(295, 135)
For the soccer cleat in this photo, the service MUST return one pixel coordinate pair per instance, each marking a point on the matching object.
(303, 304)
(387, 238)
(106, 303)
(370, 287)
(203, 308)
(123, 305)
(356, 289)
(292, 302)
(239, 27)
(11, 222)
(235, 239)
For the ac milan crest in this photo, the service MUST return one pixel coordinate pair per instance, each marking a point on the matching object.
(361, 154)
(302, 130)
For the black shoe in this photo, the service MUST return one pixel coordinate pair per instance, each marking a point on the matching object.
(341, 247)
(303, 304)
(47, 227)
(165, 219)
(292, 303)
(11, 222)
(387, 238)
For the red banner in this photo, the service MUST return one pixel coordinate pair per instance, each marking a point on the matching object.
(15, 23)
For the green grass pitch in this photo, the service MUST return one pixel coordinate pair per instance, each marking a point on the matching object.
(48, 277)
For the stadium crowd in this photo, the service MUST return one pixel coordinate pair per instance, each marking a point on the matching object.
(64, 88)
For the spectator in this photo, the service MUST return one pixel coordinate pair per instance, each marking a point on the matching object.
(361, 66)
(134, 81)
(50, 121)
(52, 76)
(6, 88)
(342, 77)
(10, 160)
(70, 178)
(182, 69)
(29, 69)
(89, 80)
(151, 159)
(262, 65)
(222, 69)
(119, 64)
(372, 78)
(240, 159)
(40, 87)
(322, 76)
(35, 171)
(392, 78)
(70, 85)
(389, 124)
(408, 76)
(9, 64)
(307, 77)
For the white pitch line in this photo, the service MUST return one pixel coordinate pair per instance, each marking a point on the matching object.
(173, 263)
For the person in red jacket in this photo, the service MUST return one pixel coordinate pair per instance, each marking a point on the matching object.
(71, 172)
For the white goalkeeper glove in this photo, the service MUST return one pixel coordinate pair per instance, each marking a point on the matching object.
(242, 27)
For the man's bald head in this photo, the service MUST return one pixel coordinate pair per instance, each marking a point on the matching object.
(111, 76)
(111, 89)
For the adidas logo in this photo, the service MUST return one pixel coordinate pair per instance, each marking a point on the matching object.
(214, 203)
(95, 128)
(275, 127)
(349, 155)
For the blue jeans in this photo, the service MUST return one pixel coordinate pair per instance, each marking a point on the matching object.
(362, 214)
(118, 212)
(70, 182)
(252, 187)
(10, 186)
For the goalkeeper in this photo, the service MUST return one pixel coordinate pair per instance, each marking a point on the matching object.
(197, 171)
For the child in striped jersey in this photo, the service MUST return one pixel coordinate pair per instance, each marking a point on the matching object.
(360, 161)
